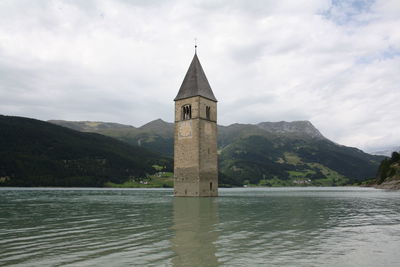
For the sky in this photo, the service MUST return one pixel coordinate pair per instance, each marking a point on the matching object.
(335, 63)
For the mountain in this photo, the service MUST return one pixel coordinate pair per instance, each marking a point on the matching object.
(37, 153)
(387, 151)
(90, 126)
(300, 128)
(267, 153)
(157, 135)
(284, 160)
(389, 172)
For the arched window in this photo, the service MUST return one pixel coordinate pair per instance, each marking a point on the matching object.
(208, 112)
(186, 112)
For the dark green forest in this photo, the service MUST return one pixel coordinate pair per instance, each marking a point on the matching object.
(37, 153)
(389, 169)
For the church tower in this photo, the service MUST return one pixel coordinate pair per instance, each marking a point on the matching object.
(195, 147)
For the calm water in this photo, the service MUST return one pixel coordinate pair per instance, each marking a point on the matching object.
(243, 227)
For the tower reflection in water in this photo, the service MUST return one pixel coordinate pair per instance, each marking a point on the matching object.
(195, 221)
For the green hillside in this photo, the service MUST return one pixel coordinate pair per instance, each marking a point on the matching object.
(268, 153)
(286, 161)
(37, 153)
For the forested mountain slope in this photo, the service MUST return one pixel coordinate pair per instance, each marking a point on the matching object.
(389, 172)
(38, 153)
(268, 153)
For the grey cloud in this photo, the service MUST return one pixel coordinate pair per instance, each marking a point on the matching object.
(246, 54)
(123, 61)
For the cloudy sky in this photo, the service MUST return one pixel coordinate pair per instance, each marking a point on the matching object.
(333, 62)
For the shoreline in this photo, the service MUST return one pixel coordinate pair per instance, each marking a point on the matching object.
(382, 186)
(389, 185)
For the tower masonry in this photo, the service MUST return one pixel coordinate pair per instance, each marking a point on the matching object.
(195, 146)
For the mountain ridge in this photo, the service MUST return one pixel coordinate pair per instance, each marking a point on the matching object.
(267, 153)
(292, 127)
(386, 151)
(298, 127)
(38, 153)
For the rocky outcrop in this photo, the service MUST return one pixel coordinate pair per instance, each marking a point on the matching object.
(389, 173)
(390, 185)
(304, 128)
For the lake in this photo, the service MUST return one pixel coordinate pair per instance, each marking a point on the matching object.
(325, 226)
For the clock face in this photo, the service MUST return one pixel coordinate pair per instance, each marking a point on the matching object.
(185, 129)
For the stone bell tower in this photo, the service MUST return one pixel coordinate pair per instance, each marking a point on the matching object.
(195, 147)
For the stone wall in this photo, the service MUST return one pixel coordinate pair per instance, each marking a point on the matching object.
(195, 149)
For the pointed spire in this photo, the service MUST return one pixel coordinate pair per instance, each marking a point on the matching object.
(195, 82)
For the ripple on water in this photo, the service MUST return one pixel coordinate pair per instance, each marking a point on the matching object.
(273, 227)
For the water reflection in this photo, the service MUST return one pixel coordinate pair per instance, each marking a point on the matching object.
(243, 227)
(195, 221)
